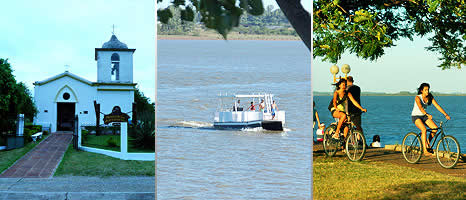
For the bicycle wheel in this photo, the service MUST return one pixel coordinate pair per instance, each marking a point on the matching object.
(330, 144)
(448, 152)
(411, 147)
(355, 146)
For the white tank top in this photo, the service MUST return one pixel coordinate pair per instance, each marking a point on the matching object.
(416, 111)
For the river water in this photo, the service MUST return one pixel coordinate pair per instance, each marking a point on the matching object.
(195, 161)
(390, 116)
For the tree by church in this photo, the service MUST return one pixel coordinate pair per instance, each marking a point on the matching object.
(144, 128)
(15, 98)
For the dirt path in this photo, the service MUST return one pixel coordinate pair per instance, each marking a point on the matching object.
(395, 157)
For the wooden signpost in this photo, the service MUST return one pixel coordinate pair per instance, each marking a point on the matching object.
(116, 116)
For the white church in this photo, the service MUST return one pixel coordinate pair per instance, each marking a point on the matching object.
(61, 97)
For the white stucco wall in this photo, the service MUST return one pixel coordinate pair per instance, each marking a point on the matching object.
(104, 66)
(46, 97)
(109, 99)
(108, 96)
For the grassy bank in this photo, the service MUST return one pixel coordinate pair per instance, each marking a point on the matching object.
(81, 163)
(341, 179)
(8, 158)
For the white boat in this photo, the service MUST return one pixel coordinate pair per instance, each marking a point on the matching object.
(230, 115)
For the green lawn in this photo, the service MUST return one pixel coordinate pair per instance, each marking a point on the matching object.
(101, 142)
(81, 163)
(342, 179)
(7, 158)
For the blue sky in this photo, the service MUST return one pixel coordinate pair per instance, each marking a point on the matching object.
(402, 68)
(40, 37)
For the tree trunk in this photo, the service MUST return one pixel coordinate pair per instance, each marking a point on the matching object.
(299, 18)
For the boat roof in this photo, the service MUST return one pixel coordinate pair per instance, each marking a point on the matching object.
(245, 95)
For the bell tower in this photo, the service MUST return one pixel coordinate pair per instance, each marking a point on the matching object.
(114, 62)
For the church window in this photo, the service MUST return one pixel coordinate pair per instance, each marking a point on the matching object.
(115, 67)
(85, 112)
(46, 111)
(66, 96)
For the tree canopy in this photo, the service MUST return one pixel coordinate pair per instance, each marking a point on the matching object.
(15, 99)
(223, 15)
(272, 22)
(144, 106)
(367, 28)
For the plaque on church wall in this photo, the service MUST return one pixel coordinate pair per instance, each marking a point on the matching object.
(116, 116)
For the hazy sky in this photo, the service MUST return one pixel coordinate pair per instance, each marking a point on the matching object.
(402, 68)
(40, 37)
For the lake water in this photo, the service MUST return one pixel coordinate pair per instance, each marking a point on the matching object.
(390, 116)
(195, 161)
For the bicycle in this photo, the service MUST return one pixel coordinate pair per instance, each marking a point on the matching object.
(355, 142)
(447, 150)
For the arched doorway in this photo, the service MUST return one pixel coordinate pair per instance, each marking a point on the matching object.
(66, 108)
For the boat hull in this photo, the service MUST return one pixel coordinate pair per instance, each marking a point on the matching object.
(272, 125)
(237, 125)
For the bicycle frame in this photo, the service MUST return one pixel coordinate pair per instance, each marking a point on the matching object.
(431, 130)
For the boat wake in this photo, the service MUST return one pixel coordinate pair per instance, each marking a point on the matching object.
(206, 125)
(191, 124)
(260, 129)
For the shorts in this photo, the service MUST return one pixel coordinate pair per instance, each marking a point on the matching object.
(423, 118)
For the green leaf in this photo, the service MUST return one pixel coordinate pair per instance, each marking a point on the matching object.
(164, 15)
(255, 7)
(179, 3)
(187, 14)
(360, 18)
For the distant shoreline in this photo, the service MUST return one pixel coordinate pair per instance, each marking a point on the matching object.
(232, 36)
(388, 94)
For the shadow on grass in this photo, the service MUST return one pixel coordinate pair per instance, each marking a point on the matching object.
(428, 190)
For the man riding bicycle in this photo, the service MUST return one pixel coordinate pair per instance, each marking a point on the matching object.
(354, 111)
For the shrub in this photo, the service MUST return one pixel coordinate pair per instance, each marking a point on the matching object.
(111, 142)
(27, 135)
(33, 128)
(84, 135)
(144, 132)
(45, 132)
(90, 128)
(2, 140)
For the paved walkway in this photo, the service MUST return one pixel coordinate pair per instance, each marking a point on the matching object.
(42, 160)
(77, 187)
(395, 157)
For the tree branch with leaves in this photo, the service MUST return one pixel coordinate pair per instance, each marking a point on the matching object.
(368, 28)
(223, 15)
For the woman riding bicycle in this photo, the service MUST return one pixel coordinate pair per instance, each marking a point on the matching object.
(340, 97)
(420, 117)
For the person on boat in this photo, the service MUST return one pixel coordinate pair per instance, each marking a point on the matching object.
(252, 107)
(274, 109)
(236, 106)
(338, 104)
(262, 105)
(420, 117)
(353, 111)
